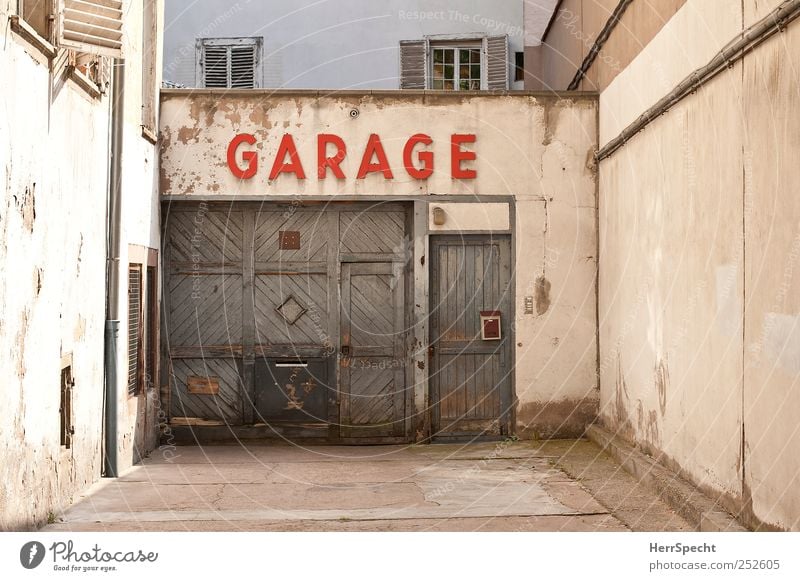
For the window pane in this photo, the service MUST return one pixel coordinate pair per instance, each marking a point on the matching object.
(438, 71)
(463, 71)
(475, 56)
(448, 85)
(449, 72)
(463, 56)
(475, 85)
(449, 56)
(438, 84)
(475, 71)
(438, 55)
(463, 85)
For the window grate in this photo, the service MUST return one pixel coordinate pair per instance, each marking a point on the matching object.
(134, 326)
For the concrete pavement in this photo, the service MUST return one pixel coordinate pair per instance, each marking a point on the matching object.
(499, 486)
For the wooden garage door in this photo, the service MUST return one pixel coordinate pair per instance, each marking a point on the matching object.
(373, 362)
(470, 378)
(204, 306)
(254, 286)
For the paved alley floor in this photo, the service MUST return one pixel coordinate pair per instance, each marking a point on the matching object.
(499, 486)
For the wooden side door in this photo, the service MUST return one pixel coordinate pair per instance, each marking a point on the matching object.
(470, 378)
(372, 359)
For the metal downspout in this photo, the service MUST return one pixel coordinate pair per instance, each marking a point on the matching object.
(110, 465)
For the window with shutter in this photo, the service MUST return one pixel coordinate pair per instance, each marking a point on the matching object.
(243, 67)
(215, 67)
(134, 327)
(413, 64)
(229, 63)
(37, 14)
(149, 64)
(91, 26)
(497, 63)
(471, 63)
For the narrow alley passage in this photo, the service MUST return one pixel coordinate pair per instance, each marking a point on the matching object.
(499, 486)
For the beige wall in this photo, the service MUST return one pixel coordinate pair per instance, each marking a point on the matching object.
(699, 240)
(54, 139)
(535, 148)
(139, 416)
(573, 33)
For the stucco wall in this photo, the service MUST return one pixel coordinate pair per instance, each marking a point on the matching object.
(138, 417)
(536, 148)
(698, 248)
(52, 148)
(573, 32)
(54, 140)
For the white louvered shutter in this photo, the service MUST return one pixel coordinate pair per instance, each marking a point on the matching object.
(413, 64)
(230, 63)
(243, 66)
(497, 63)
(91, 26)
(215, 66)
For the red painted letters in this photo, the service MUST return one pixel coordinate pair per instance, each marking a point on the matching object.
(418, 157)
(457, 155)
(250, 157)
(323, 161)
(294, 166)
(426, 157)
(374, 149)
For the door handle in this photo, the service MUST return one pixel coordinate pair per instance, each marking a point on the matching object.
(345, 350)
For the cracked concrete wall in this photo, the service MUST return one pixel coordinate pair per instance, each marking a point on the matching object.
(537, 148)
(52, 248)
(54, 140)
(698, 249)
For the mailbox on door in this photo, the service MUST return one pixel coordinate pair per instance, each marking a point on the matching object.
(490, 326)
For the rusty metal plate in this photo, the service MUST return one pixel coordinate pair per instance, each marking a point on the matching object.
(289, 240)
(202, 385)
(292, 390)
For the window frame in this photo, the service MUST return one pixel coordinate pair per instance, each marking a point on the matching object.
(459, 42)
(519, 66)
(229, 42)
(150, 69)
(457, 50)
(66, 401)
(148, 353)
(25, 29)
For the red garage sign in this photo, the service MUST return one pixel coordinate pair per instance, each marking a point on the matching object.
(418, 161)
